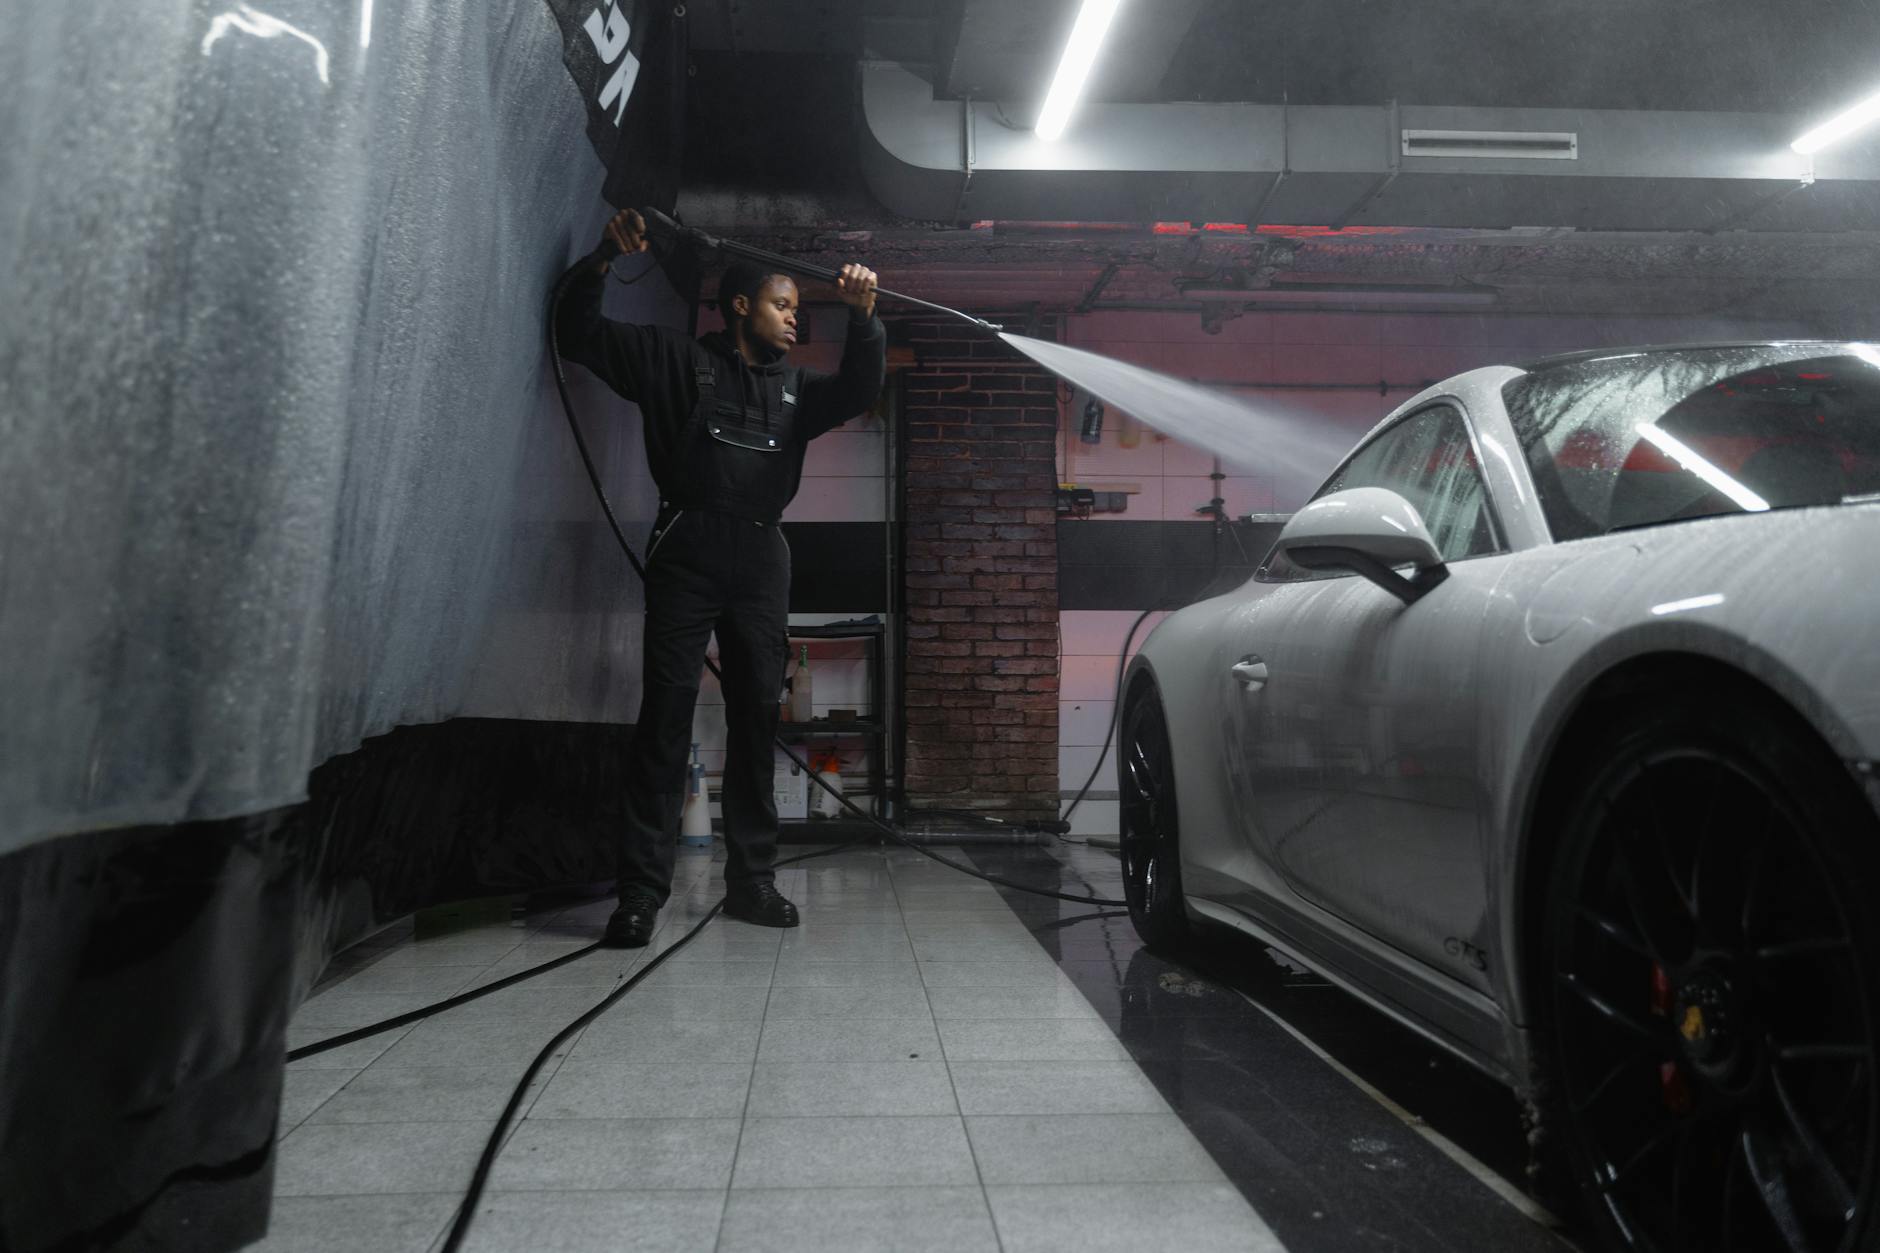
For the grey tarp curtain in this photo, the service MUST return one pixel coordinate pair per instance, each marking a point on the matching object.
(280, 464)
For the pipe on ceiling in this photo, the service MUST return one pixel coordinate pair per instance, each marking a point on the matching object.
(1632, 170)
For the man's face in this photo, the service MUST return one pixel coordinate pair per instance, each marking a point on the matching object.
(771, 322)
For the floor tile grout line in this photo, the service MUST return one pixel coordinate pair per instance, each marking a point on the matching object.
(542, 1081)
(308, 1116)
(985, 1197)
(744, 1116)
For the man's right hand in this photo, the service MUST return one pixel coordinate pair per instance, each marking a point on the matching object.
(626, 231)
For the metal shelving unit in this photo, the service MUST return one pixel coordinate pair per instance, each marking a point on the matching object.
(871, 729)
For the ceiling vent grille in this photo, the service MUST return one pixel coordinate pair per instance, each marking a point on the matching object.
(1532, 145)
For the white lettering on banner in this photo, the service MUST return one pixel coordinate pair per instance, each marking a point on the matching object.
(610, 35)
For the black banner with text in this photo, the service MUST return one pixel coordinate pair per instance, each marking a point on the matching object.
(627, 58)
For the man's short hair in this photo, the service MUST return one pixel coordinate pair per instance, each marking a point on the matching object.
(742, 278)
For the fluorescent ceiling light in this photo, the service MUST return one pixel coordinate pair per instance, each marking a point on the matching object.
(1093, 23)
(1838, 128)
(1691, 460)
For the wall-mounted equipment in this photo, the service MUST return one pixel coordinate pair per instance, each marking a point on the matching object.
(1080, 502)
(1091, 430)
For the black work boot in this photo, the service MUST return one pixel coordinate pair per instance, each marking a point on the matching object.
(760, 903)
(632, 923)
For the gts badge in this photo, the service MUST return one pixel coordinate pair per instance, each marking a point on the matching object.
(1467, 953)
(610, 29)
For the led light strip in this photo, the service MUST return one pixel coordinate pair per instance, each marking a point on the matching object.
(1093, 23)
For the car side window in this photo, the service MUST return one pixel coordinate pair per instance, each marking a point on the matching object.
(1429, 460)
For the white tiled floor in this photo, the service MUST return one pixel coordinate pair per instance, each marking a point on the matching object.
(907, 1070)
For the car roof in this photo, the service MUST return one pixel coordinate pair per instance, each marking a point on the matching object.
(1597, 354)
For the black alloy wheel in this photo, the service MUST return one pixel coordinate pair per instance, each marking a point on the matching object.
(1152, 872)
(1713, 978)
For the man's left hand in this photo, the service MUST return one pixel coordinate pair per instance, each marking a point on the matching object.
(856, 286)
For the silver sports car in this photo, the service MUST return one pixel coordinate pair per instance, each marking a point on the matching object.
(1550, 727)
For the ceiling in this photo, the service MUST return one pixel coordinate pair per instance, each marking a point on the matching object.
(778, 136)
(1749, 55)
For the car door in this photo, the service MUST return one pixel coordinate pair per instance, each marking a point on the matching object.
(1357, 720)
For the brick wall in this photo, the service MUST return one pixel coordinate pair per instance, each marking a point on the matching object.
(982, 673)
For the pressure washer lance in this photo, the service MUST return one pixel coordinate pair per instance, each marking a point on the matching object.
(776, 260)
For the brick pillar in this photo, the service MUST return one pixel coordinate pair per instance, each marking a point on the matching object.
(982, 611)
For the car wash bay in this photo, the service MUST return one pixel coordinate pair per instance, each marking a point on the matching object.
(320, 661)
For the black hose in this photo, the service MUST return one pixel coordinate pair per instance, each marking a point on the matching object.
(1122, 667)
(479, 1180)
(460, 1224)
(1116, 713)
(462, 998)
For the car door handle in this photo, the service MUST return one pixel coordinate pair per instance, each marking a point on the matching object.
(1250, 671)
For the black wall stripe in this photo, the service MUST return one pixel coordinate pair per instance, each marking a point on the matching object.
(1153, 565)
(838, 567)
(841, 567)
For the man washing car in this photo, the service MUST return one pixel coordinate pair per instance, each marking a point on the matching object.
(726, 427)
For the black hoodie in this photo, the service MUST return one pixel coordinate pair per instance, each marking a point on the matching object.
(657, 368)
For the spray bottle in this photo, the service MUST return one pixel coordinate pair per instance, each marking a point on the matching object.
(695, 822)
(828, 767)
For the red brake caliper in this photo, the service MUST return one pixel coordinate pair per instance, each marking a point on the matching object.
(1671, 1085)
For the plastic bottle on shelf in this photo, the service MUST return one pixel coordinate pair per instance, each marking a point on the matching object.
(695, 821)
(828, 768)
(802, 707)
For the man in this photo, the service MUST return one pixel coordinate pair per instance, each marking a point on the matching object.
(726, 426)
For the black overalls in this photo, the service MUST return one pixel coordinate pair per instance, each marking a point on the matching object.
(725, 440)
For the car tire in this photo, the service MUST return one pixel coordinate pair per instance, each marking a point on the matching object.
(1709, 985)
(1150, 826)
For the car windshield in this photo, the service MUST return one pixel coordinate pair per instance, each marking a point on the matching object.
(1647, 438)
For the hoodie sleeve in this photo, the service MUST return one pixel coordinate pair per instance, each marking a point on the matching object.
(829, 400)
(624, 356)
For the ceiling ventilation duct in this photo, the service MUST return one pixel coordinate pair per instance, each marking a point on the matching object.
(1337, 165)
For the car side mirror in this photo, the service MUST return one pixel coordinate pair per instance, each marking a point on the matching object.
(1370, 531)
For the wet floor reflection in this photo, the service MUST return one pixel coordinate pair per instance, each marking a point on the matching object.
(1325, 1164)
